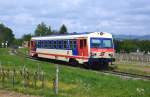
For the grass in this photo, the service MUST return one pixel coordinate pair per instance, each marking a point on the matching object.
(134, 67)
(76, 82)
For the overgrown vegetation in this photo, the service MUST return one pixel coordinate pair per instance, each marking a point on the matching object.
(6, 34)
(133, 67)
(76, 82)
(132, 45)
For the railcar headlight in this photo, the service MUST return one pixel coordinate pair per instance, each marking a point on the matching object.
(92, 54)
(111, 55)
(102, 54)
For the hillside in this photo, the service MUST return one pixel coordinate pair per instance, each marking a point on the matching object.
(122, 37)
(75, 82)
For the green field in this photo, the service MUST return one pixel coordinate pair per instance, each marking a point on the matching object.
(76, 82)
(134, 67)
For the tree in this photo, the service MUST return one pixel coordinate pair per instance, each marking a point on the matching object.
(144, 45)
(17, 42)
(49, 31)
(55, 32)
(6, 34)
(26, 37)
(63, 29)
(41, 29)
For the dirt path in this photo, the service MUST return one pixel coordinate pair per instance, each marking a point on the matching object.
(4, 93)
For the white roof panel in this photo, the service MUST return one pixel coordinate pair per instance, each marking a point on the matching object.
(82, 35)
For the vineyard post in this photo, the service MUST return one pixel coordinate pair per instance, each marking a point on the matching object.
(56, 80)
(0, 70)
(13, 77)
(24, 75)
(35, 78)
(3, 77)
(42, 78)
(27, 78)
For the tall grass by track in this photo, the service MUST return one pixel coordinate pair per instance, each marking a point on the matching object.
(133, 67)
(76, 82)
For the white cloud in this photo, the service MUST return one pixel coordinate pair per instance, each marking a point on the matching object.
(123, 16)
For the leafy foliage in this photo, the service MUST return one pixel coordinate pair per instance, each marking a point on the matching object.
(41, 29)
(26, 37)
(132, 45)
(63, 29)
(6, 34)
(17, 42)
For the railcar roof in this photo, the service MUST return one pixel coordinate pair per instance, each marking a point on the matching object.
(73, 35)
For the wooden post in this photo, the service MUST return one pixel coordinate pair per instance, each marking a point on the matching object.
(8, 73)
(35, 79)
(24, 76)
(3, 77)
(38, 72)
(27, 78)
(13, 77)
(42, 79)
(56, 80)
(0, 70)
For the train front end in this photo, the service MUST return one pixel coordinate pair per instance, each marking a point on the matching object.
(101, 49)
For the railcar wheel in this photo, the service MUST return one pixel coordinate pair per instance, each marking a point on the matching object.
(87, 65)
(73, 62)
(92, 65)
(104, 65)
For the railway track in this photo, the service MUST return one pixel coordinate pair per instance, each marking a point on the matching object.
(118, 73)
(126, 74)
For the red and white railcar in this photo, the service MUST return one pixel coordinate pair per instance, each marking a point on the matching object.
(91, 48)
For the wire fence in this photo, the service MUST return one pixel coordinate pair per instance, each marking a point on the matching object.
(124, 57)
(28, 78)
(25, 78)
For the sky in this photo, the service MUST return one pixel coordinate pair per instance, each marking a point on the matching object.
(129, 17)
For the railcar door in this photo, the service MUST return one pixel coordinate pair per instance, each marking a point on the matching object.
(33, 46)
(82, 47)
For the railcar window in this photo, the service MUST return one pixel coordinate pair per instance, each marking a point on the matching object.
(45, 44)
(65, 44)
(84, 42)
(59, 44)
(36, 43)
(54, 44)
(74, 44)
(50, 44)
(96, 43)
(42, 44)
(71, 44)
(39, 43)
(107, 43)
(81, 44)
(101, 43)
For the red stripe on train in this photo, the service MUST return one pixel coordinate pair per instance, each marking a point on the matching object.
(66, 56)
(102, 50)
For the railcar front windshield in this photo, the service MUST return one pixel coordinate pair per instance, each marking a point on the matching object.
(101, 43)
